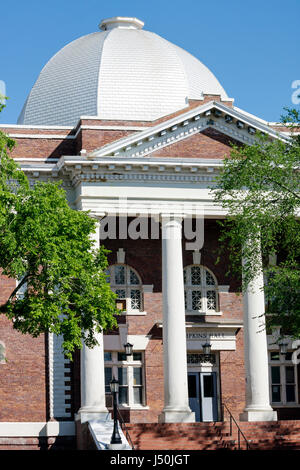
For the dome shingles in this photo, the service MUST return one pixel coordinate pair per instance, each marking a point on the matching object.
(123, 73)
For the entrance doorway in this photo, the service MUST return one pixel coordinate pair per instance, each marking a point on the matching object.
(203, 399)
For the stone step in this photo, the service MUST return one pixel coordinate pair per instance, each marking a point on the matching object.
(214, 436)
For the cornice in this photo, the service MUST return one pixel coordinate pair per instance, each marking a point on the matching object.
(135, 170)
(78, 169)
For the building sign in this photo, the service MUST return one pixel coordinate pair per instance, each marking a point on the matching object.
(205, 335)
(220, 340)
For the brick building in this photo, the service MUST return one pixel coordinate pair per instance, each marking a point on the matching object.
(136, 128)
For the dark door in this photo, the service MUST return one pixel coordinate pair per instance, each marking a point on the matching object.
(194, 394)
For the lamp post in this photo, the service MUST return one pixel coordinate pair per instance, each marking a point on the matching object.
(114, 388)
(206, 350)
(283, 346)
(128, 349)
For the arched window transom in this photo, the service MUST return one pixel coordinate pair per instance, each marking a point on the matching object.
(126, 283)
(200, 290)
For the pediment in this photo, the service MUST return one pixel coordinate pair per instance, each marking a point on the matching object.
(212, 120)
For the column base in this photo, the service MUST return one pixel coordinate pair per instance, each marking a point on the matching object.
(117, 447)
(258, 415)
(93, 414)
(176, 416)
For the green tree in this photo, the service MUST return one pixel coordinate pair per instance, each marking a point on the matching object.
(259, 188)
(44, 244)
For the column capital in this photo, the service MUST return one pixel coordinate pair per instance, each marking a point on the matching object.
(166, 218)
(97, 215)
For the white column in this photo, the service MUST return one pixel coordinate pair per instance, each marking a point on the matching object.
(258, 406)
(176, 407)
(92, 371)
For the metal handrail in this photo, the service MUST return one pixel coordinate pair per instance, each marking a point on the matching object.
(240, 432)
(124, 429)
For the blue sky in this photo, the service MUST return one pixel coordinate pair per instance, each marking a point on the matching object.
(252, 47)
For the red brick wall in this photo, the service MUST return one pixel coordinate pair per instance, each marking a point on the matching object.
(232, 373)
(90, 139)
(38, 443)
(41, 147)
(23, 375)
(93, 139)
(206, 144)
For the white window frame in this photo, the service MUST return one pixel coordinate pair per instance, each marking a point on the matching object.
(127, 287)
(129, 364)
(203, 288)
(282, 363)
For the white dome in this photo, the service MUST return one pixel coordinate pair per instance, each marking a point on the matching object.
(120, 73)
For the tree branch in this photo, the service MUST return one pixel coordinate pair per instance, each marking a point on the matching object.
(23, 281)
(283, 186)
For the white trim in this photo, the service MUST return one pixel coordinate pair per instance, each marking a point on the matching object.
(71, 160)
(31, 126)
(58, 391)
(37, 429)
(41, 136)
(94, 118)
(284, 124)
(223, 289)
(45, 160)
(115, 342)
(209, 325)
(134, 313)
(121, 256)
(147, 288)
(116, 128)
(213, 313)
(134, 407)
(252, 116)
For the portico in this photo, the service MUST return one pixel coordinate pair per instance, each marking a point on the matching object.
(178, 336)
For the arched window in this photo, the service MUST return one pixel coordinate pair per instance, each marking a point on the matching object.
(126, 283)
(200, 290)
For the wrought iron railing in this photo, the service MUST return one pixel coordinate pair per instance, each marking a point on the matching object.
(124, 429)
(240, 432)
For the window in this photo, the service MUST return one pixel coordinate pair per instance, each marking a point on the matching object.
(22, 290)
(197, 358)
(126, 283)
(283, 379)
(200, 290)
(130, 373)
